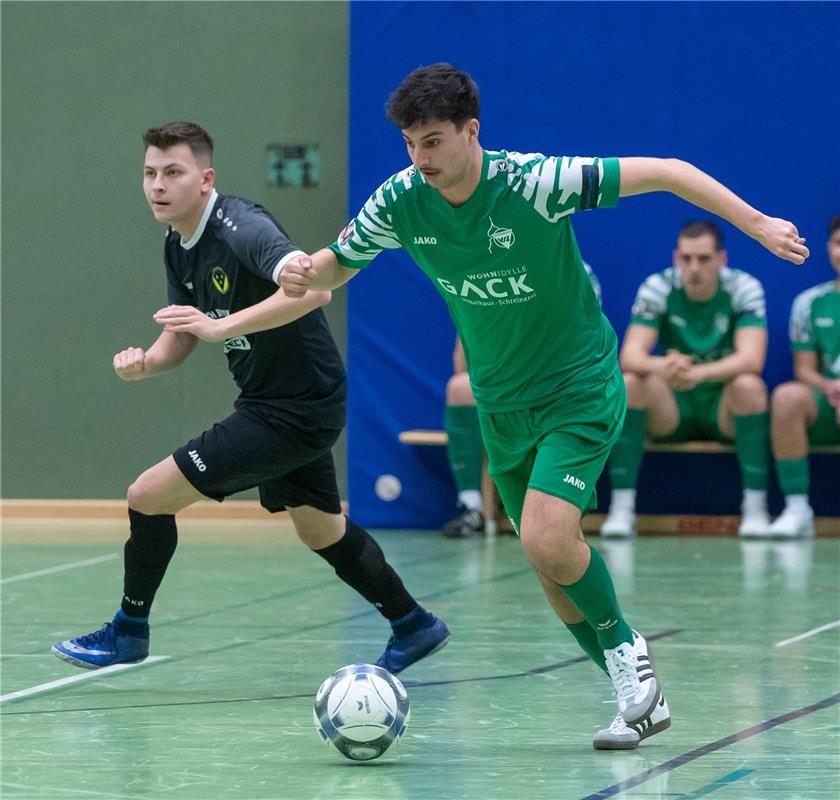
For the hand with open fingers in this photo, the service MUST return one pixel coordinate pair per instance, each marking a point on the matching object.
(782, 239)
(187, 319)
(297, 276)
(130, 364)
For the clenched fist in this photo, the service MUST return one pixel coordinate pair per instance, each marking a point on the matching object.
(130, 364)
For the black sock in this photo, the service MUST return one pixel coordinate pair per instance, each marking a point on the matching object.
(147, 554)
(359, 561)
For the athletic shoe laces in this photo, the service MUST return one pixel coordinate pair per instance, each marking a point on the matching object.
(625, 676)
(97, 637)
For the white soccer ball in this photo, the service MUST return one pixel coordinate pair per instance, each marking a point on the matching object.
(361, 710)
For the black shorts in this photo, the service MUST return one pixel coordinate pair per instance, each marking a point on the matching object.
(267, 447)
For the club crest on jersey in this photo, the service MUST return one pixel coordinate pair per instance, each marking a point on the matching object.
(220, 280)
(501, 237)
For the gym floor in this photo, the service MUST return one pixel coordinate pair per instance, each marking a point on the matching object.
(248, 623)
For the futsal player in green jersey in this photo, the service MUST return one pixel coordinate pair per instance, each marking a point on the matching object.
(710, 325)
(464, 447)
(491, 229)
(806, 411)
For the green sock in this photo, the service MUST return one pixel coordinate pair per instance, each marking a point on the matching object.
(794, 476)
(752, 446)
(465, 449)
(586, 637)
(626, 455)
(594, 595)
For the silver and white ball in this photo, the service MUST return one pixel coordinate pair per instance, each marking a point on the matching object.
(361, 710)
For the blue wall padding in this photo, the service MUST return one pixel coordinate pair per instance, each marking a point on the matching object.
(747, 91)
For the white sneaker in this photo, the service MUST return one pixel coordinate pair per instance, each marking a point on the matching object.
(793, 523)
(631, 672)
(621, 736)
(619, 524)
(755, 523)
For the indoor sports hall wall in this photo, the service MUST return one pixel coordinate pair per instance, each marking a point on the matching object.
(748, 91)
(81, 253)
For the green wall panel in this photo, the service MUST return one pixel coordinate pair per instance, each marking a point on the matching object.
(82, 269)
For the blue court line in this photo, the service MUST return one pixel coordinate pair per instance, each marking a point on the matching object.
(725, 780)
(685, 758)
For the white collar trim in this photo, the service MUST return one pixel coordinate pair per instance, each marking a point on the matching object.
(208, 210)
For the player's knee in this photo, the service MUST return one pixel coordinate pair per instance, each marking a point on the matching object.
(459, 391)
(748, 393)
(141, 498)
(790, 400)
(635, 386)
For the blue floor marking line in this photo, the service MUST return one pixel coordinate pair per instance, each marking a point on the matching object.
(692, 755)
(720, 783)
(569, 662)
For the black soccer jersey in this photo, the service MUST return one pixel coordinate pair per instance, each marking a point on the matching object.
(232, 262)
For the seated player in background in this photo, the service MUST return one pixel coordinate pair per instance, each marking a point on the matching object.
(806, 411)
(223, 256)
(710, 323)
(464, 448)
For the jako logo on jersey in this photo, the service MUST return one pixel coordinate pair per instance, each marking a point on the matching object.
(196, 459)
(425, 240)
(220, 280)
(494, 287)
(576, 482)
(501, 237)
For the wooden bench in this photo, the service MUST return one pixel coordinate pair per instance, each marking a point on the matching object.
(697, 524)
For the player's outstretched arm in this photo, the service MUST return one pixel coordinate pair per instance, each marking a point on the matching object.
(643, 175)
(273, 312)
(319, 272)
(169, 350)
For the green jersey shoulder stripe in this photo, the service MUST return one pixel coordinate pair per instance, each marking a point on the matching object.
(554, 187)
(746, 296)
(801, 319)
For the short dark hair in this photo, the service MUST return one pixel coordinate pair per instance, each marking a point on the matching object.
(833, 225)
(188, 133)
(437, 91)
(702, 227)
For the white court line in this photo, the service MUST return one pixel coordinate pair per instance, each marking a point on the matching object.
(85, 676)
(805, 635)
(59, 568)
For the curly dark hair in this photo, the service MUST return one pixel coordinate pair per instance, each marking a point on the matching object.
(436, 91)
(188, 133)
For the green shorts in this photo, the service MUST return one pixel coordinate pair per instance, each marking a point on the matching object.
(825, 431)
(559, 448)
(698, 409)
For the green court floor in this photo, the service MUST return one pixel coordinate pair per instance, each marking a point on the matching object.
(745, 637)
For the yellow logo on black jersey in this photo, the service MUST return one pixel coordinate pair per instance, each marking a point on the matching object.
(220, 280)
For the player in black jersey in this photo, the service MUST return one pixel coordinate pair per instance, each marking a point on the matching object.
(223, 257)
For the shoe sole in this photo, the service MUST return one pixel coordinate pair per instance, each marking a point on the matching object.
(632, 744)
(77, 662)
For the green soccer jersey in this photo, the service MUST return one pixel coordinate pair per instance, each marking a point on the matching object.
(703, 330)
(507, 264)
(815, 326)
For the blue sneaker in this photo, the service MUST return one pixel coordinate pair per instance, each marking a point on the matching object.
(401, 652)
(103, 648)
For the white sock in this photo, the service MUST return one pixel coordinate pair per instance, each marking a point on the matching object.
(754, 500)
(471, 499)
(797, 503)
(623, 500)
